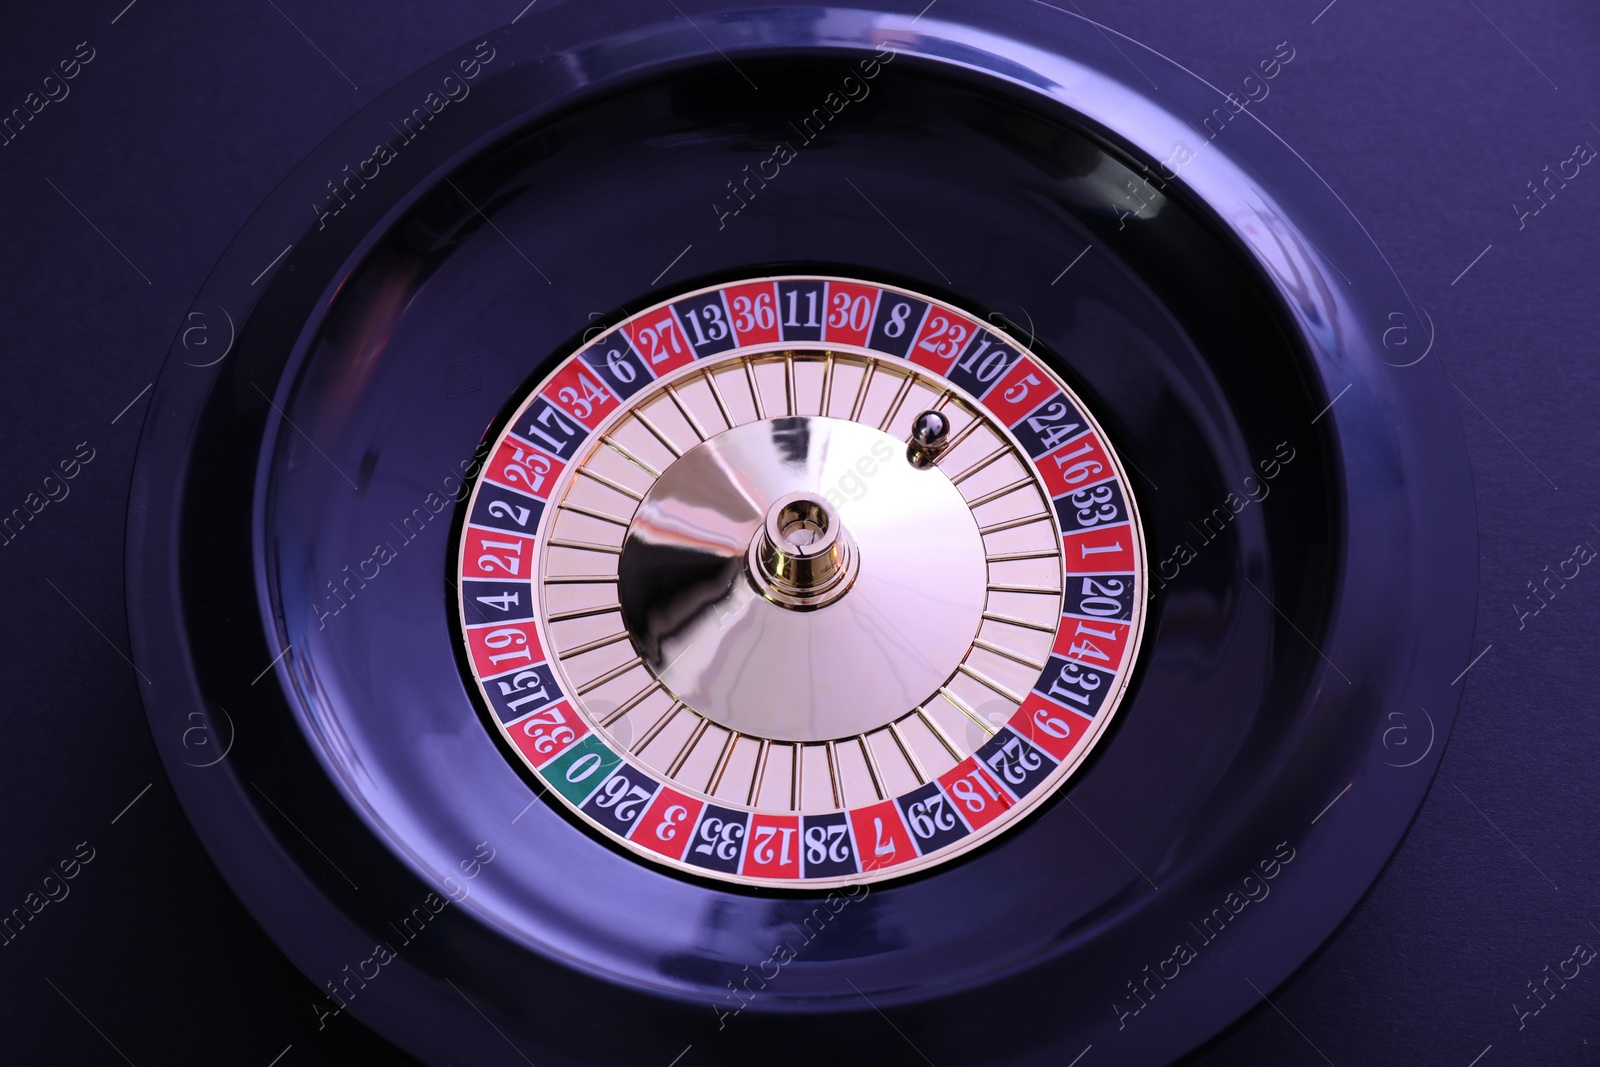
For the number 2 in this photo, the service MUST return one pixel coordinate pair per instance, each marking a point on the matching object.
(516, 513)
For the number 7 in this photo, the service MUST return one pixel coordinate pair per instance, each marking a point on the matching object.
(880, 846)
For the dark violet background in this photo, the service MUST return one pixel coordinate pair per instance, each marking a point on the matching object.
(1427, 118)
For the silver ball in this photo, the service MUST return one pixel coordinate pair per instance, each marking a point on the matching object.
(930, 429)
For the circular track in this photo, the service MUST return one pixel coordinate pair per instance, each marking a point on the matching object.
(1213, 305)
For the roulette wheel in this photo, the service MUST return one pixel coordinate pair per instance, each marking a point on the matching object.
(815, 532)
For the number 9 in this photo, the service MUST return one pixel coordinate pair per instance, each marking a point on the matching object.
(1053, 725)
